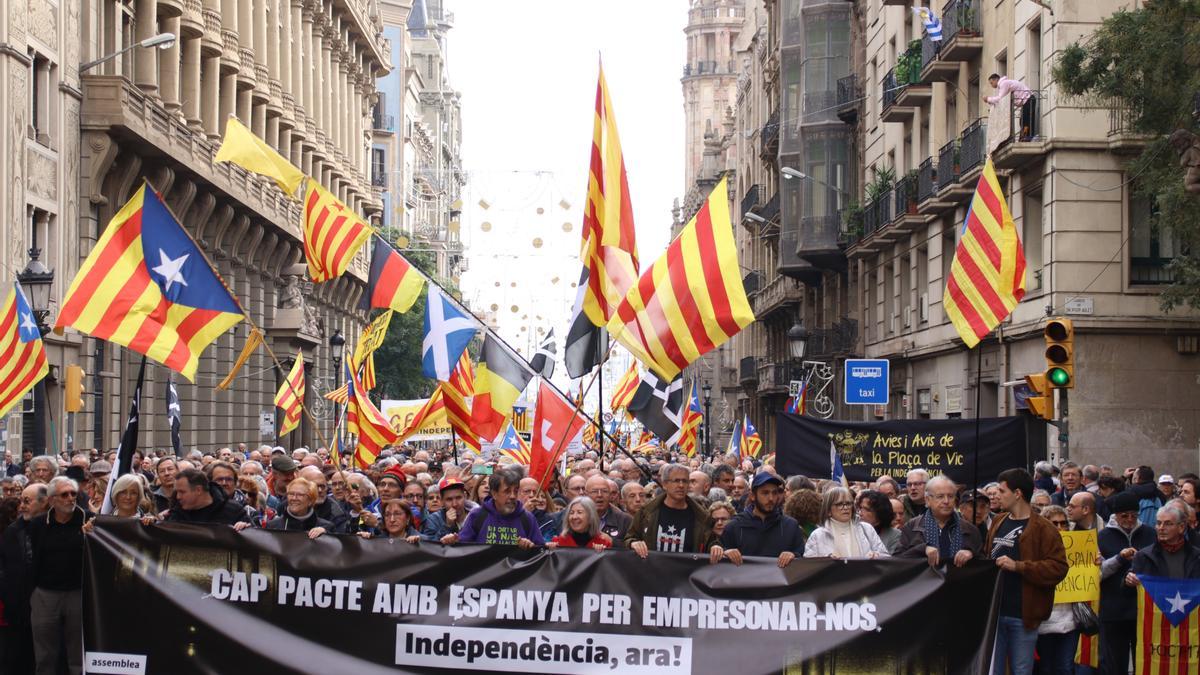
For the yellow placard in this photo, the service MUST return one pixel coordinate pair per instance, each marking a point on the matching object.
(401, 413)
(1082, 583)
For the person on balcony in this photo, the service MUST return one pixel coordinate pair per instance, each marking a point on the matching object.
(1022, 98)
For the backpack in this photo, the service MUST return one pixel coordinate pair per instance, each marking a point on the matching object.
(1148, 511)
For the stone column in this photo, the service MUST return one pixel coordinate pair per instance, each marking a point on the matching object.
(245, 109)
(308, 66)
(190, 91)
(210, 82)
(228, 100)
(168, 67)
(275, 12)
(145, 61)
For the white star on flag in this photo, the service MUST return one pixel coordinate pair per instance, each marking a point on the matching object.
(1179, 603)
(27, 323)
(171, 270)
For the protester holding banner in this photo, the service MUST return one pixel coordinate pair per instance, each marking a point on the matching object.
(875, 509)
(198, 501)
(673, 521)
(762, 529)
(164, 494)
(501, 518)
(1119, 542)
(1057, 635)
(613, 521)
(1081, 511)
(940, 535)
(841, 534)
(1030, 553)
(397, 523)
(914, 498)
(325, 508)
(299, 514)
(581, 527)
(440, 524)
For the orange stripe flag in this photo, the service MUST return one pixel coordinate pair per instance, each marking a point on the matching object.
(364, 420)
(290, 397)
(691, 300)
(987, 276)
(455, 392)
(332, 233)
(609, 243)
(623, 394)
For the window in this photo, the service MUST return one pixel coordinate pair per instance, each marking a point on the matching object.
(378, 167)
(1031, 237)
(1151, 249)
(41, 81)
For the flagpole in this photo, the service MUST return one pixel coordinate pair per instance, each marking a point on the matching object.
(454, 443)
(600, 411)
(978, 398)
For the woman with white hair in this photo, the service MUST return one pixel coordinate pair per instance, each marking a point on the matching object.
(127, 496)
(581, 527)
(841, 534)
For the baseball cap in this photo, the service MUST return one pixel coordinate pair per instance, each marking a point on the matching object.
(283, 464)
(450, 482)
(974, 496)
(764, 477)
(1166, 478)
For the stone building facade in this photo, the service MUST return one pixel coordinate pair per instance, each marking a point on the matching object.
(299, 73)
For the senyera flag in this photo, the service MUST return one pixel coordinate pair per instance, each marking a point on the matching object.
(365, 421)
(290, 397)
(987, 276)
(456, 394)
(147, 286)
(691, 300)
(333, 233)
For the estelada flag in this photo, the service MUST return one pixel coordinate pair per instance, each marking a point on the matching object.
(22, 354)
(514, 447)
(692, 299)
(555, 422)
(987, 276)
(393, 282)
(1168, 630)
(500, 377)
(290, 397)
(240, 146)
(689, 430)
(333, 233)
(147, 286)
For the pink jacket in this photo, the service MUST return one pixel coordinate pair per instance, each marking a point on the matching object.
(1020, 93)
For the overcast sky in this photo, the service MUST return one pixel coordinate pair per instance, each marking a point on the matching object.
(527, 74)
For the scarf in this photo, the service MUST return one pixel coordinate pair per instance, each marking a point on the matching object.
(845, 545)
(1173, 547)
(933, 534)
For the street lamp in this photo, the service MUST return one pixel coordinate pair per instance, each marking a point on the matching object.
(336, 342)
(162, 41)
(707, 389)
(36, 280)
(797, 337)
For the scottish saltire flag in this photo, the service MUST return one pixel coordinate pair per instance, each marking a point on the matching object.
(448, 331)
(751, 443)
(146, 286)
(836, 473)
(735, 441)
(22, 355)
(1168, 626)
(933, 25)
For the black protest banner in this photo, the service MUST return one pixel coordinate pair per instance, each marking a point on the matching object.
(872, 449)
(197, 599)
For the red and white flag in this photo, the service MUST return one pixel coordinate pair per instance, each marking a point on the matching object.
(555, 423)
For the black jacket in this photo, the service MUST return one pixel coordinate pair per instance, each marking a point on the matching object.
(58, 551)
(1151, 561)
(332, 511)
(766, 537)
(16, 572)
(286, 521)
(1118, 602)
(222, 511)
(912, 539)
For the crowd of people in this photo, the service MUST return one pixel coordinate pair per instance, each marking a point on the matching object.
(725, 509)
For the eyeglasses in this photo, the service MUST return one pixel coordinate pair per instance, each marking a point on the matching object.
(941, 498)
(223, 481)
(718, 520)
(843, 505)
(1059, 523)
(676, 481)
(67, 493)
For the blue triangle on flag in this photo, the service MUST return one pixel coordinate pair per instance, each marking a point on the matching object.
(1175, 598)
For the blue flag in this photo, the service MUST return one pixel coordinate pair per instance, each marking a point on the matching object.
(448, 331)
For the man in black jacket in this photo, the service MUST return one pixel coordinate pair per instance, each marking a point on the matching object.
(299, 514)
(326, 507)
(56, 605)
(201, 502)
(762, 529)
(16, 581)
(1171, 555)
(1119, 542)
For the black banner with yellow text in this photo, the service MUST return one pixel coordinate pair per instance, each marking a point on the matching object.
(872, 449)
(195, 599)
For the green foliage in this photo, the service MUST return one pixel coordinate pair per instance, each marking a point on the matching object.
(1148, 62)
(885, 179)
(398, 359)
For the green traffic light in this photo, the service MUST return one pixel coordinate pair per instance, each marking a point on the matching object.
(1058, 377)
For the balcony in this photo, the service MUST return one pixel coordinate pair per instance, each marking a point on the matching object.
(383, 123)
(933, 67)
(894, 88)
(780, 294)
(962, 33)
(913, 92)
(770, 213)
(947, 166)
(709, 68)
(752, 282)
(849, 99)
(926, 180)
(770, 136)
(972, 150)
(838, 340)
(379, 178)
(1023, 140)
(751, 202)
(904, 199)
(773, 378)
(748, 371)
(819, 241)
(1122, 139)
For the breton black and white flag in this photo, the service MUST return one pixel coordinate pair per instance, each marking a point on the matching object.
(174, 415)
(543, 360)
(658, 405)
(586, 343)
(129, 442)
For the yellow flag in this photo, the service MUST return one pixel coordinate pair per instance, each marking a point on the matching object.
(252, 344)
(250, 152)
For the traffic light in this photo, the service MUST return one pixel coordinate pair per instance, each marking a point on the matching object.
(75, 389)
(1060, 353)
(1041, 396)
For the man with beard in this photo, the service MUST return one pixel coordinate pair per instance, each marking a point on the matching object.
(441, 525)
(501, 518)
(762, 529)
